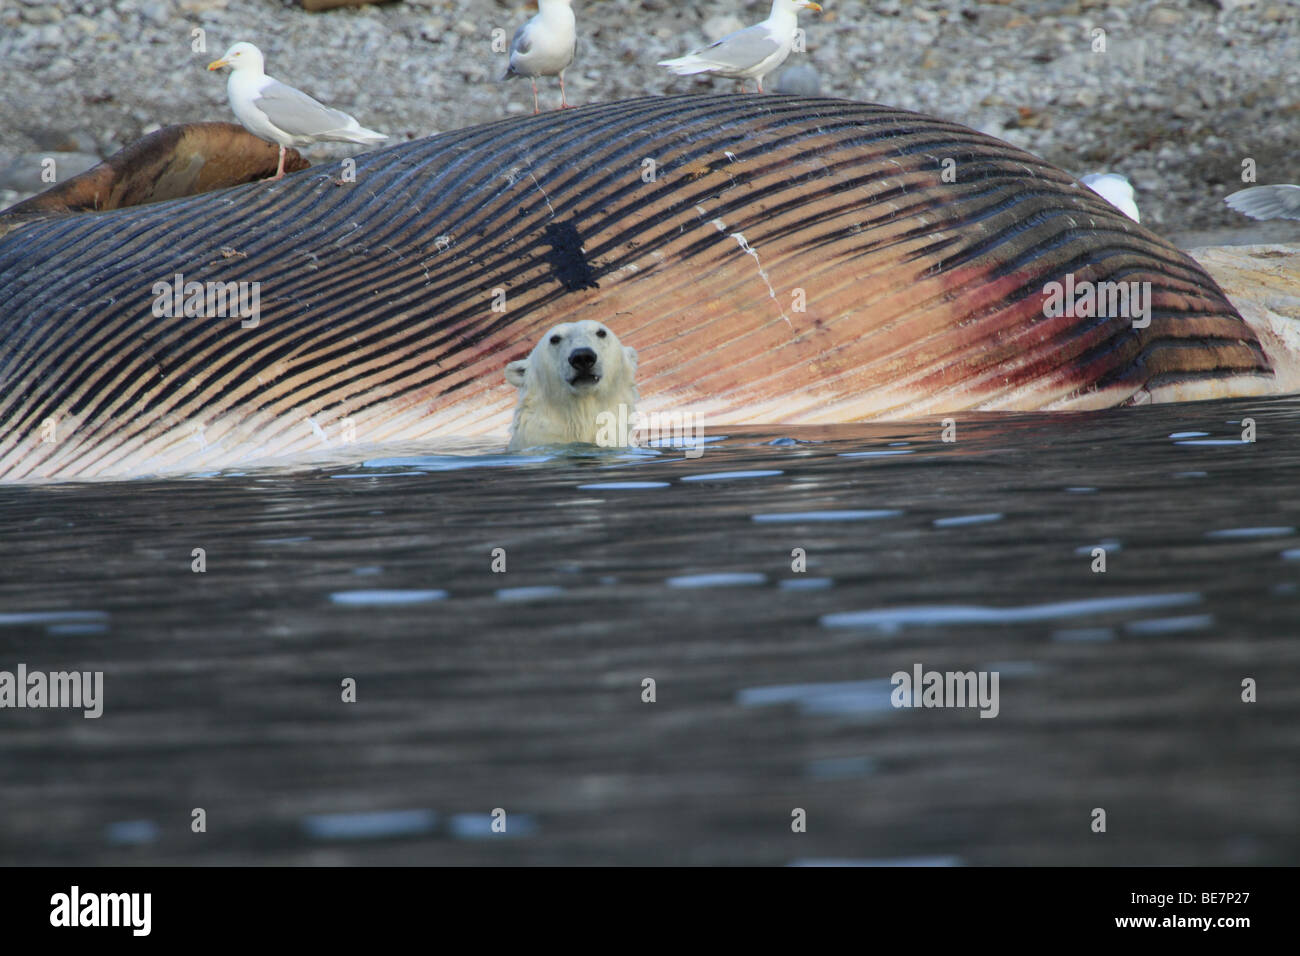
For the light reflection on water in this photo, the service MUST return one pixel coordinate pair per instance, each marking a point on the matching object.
(894, 619)
(768, 588)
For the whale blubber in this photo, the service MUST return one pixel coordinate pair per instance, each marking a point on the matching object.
(169, 163)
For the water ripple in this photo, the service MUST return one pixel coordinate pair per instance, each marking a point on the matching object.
(369, 826)
(1272, 532)
(54, 617)
(962, 520)
(939, 615)
(1166, 625)
(624, 485)
(833, 697)
(791, 517)
(885, 861)
(478, 826)
(529, 594)
(806, 584)
(730, 475)
(131, 832)
(386, 598)
(739, 579)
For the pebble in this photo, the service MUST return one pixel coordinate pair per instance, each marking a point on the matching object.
(1205, 70)
(24, 174)
(1164, 17)
(42, 15)
(715, 28)
(157, 12)
(801, 79)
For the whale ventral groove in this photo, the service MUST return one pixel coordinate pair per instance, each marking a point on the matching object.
(780, 260)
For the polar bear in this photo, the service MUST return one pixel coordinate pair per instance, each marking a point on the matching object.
(577, 385)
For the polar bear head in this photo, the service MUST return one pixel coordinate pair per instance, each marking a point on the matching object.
(576, 360)
(576, 372)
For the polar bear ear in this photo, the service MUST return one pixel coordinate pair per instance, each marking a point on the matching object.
(631, 356)
(516, 371)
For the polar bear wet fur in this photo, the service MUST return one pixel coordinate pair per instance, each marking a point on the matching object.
(571, 388)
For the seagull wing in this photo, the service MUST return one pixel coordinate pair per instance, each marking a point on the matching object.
(1267, 202)
(297, 113)
(741, 50)
(520, 44)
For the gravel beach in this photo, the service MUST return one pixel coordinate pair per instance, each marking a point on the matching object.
(1184, 92)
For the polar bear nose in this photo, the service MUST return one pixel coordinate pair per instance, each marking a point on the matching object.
(582, 359)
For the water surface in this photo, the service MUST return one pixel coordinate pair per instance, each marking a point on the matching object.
(521, 691)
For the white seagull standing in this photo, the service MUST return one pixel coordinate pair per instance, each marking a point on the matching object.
(1267, 202)
(755, 51)
(1116, 190)
(278, 112)
(544, 46)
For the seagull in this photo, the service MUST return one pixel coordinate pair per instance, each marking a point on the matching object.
(544, 46)
(1116, 190)
(278, 112)
(755, 51)
(1267, 202)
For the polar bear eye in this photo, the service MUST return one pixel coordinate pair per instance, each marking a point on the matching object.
(601, 333)
(555, 340)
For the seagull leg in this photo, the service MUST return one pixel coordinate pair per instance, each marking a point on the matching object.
(564, 100)
(536, 109)
(760, 84)
(279, 170)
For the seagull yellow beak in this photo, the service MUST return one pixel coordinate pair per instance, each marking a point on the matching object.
(217, 64)
(815, 6)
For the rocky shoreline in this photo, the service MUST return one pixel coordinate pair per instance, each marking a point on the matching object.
(1184, 92)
